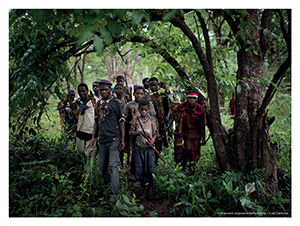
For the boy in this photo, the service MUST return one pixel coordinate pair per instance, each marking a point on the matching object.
(131, 110)
(109, 123)
(144, 128)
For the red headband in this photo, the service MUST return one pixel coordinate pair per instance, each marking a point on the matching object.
(192, 95)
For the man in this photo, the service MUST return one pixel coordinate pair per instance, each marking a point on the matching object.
(145, 82)
(107, 126)
(96, 90)
(162, 108)
(86, 120)
(127, 90)
(190, 117)
(119, 92)
(68, 118)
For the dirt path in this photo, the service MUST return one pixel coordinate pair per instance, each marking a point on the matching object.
(155, 207)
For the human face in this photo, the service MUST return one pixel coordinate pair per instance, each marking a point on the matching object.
(146, 84)
(83, 93)
(139, 94)
(143, 110)
(153, 86)
(71, 97)
(96, 87)
(192, 101)
(119, 90)
(105, 91)
(120, 81)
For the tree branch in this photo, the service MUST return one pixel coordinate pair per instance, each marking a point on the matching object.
(206, 38)
(163, 52)
(265, 24)
(232, 24)
(286, 34)
(197, 27)
(274, 62)
(178, 22)
(271, 89)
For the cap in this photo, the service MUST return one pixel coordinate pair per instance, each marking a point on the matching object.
(106, 82)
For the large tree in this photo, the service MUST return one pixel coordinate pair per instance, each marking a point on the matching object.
(192, 42)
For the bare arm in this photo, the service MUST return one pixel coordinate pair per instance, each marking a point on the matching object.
(122, 131)
(95, 133)
(133, 132)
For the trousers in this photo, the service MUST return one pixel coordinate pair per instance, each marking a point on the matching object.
(108, 163)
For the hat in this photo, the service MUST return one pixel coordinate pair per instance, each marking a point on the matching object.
(105, 82)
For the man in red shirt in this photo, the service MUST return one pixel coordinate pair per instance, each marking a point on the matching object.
(190, 117)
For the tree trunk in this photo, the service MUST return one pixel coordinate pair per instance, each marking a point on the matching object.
(147, 72)
(249, 143)
(248, 100)
(269, 158)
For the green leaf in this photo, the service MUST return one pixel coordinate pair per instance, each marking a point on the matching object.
(114, 27)
(137, 17)
(238, 89)
(26, 37)
(106, 35)
(248, 42)
(124, 213)
(38, 15)
(121, 13)
(141, 208)
(84, 36)
(247, 85)
(170, 15)
(258, 27)
(126, 199)
(266, 32)
(98, 45)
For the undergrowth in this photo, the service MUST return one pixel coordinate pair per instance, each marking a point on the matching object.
(47, 179)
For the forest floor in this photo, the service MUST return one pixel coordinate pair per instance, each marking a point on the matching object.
(161, 207)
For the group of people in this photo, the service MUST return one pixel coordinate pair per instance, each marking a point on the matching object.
(112, 121)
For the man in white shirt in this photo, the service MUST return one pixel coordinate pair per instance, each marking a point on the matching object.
(85, 125)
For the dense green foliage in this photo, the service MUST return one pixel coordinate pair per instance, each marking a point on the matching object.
(46, 181)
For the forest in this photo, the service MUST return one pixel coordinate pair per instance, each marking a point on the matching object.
(245, 164)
